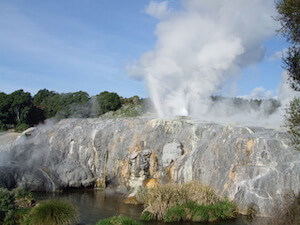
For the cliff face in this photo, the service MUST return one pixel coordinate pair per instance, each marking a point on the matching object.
(253, 166)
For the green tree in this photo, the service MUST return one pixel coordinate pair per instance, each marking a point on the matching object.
(292, 65)
(289, 18)
(21, 103)
(40, 97)
(293, 122)
(108, 101)
(6, 118)
(65, 105)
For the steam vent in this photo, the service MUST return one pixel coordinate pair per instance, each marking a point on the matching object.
(253, 166)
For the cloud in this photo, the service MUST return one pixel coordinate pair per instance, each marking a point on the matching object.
(278, 55)
(158, 10)
(258, 93)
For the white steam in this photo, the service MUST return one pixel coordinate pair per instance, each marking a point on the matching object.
(199, 48)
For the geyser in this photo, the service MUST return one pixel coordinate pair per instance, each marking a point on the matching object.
(200, 47)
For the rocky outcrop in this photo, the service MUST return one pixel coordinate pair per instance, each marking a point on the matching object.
(253, 166)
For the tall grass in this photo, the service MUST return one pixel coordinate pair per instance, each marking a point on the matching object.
(118, 220)
(190, 201)
(52, 212)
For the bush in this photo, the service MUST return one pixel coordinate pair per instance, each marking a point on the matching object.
(7, 205)
(293, 122)
(118, 220)
(201, 213)
(158, 200)
(53, 212)
(20, 192)
(7, 200)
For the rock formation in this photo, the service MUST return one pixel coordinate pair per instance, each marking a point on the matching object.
(253, 166)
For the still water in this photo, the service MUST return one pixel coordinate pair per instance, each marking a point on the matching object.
(95, 205)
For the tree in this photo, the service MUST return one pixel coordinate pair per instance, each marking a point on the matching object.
(6, 117)
(292, 65)
(108, 101)
(293, 122)
(41, 96)
(21, 103)
(289, 18)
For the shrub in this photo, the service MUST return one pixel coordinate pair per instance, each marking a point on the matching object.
(7, 205)
(118, 220)
(201, 213)
(53, 212)
(159, 199)
(7, 200)
(20, 192)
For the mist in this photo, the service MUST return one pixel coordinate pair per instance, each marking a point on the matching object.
(198, 49)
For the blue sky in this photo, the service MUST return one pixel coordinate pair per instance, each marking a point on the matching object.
(74, 45)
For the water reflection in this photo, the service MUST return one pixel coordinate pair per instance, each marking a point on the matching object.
(95, 205)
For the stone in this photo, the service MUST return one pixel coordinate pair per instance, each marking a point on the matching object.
(131, 201)
(249, 165)
(170, 153)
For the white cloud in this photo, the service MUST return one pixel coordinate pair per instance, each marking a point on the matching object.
(259, 93)
(278, 55)
(158, 10)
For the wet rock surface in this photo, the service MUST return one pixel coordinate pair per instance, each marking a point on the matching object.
(253, 166)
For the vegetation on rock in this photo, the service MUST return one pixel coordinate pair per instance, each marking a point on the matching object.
(180, 202)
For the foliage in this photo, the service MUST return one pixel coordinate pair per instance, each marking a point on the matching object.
(108, 101)
(293, 122)
(21, 103)
(201, 213)
(41, 96)
(21, 192)
(53, 212)
(7, 205)
(157, 201)
(118, 220)
(289, 18)
(292, 65)
(61, 105)
(7, 199)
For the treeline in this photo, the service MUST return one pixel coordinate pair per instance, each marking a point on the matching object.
(19, 110)
(237, 104)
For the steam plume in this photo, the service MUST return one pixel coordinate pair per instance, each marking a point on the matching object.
(199, 48)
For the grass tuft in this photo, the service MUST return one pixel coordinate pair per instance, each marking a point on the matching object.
(53, 212)
(183, 202)
(118, 220)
